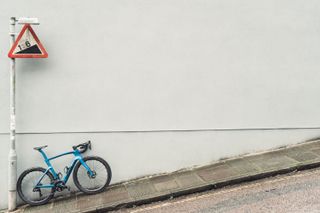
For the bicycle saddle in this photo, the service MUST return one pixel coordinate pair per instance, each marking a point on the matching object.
(40, 147)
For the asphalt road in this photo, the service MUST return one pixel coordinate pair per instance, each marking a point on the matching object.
(296, 192)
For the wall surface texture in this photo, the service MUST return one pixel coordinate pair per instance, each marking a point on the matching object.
(159, 85)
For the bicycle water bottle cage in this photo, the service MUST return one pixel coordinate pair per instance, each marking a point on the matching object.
(66, 169)
(40, 147)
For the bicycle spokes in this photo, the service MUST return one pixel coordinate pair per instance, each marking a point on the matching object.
(96, 178)
(35, 186)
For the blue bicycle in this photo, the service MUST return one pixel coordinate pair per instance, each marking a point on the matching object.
(36, 186)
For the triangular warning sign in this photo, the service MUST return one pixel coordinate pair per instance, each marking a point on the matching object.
(27, 45)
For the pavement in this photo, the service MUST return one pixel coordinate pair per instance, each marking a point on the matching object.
(156, 188)
(296, 192)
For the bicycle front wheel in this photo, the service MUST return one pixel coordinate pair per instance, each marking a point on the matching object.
(33, 186)
(91, 184)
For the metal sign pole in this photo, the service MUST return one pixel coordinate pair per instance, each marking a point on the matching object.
(12, 167)
(12, 179)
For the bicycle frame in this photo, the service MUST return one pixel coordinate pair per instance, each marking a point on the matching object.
(50, 168)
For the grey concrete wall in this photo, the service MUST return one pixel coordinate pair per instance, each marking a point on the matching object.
(145, 65)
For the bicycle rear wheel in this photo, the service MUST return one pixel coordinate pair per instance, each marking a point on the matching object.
(96, 183)
(27, 190)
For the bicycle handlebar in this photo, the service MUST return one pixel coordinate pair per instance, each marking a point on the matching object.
(83, 147)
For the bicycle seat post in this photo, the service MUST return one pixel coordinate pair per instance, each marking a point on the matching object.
(43, 155)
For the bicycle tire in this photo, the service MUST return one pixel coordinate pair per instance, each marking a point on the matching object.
(25, 194)
(81, 176)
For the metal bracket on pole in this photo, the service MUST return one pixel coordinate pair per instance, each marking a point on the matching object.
(12, 167)
(27, 20)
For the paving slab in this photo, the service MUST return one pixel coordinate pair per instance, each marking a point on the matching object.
(310, 146)
(156, 188)
(272, 161)
(243, 166)
(315, 150)
(67, 205)
(216, 173)
(188, 180)
(86, 202)
(165, 183)
(141, 189)
(302, 156)
(116, 196)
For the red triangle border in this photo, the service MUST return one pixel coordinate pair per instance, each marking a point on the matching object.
(44, 52)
